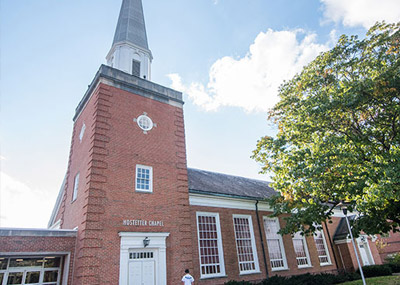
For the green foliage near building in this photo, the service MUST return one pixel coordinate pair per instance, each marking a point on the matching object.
(393, 261)
(385, 280)
(339, 136)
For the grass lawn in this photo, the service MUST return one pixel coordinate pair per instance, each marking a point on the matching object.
(383, 280)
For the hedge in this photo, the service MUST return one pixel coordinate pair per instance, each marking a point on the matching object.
(303, 279)
(376, 270)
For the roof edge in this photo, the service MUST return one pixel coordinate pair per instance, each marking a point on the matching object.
(194, 191)
(57, 204)
(22, 232)
(136, 85)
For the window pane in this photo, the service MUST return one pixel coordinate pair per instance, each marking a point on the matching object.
(208, 241)
(50, 276)
(14, 278)
(244, 244)
(3, 263)
(143, 178)
(76, 186)
(52, 262)
(32, 277)
(26, 262)
(1, 278)
(300, 245)
(321, 248)
(274, 243)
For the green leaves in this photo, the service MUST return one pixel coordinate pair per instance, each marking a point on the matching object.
(339, 135)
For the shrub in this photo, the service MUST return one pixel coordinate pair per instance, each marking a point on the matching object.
(304, 279)
(351, 276)
(311, 279)
(394, 262)
(233, 282)
(393, 258)
(395, 267)
(278, 280)
(376, 270)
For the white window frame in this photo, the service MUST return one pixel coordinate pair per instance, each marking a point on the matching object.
(150, 190)
(76, 187)
(280, 240)
(298, 236)
(219, 245)
(329, 262)
(253, 245)
(82, 132)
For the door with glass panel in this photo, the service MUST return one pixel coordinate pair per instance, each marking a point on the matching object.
(30, 270)
(142, 268)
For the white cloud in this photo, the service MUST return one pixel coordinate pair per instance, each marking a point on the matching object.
(252, 82)
(21, 206)
(361, 12)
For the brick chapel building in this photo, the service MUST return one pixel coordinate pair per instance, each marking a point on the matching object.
(130, 211)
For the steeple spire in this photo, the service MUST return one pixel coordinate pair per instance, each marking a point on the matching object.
(130, 52)
(131, 27)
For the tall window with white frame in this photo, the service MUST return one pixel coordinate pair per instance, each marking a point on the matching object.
(210, 245)
(301, 250)
(144, 178)
(276, 250)
(322, 249)
(76, 186)
(245, 244)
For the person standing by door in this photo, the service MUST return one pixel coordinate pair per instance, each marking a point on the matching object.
(187, 279)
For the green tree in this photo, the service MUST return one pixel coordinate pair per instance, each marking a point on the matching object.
(339, 136)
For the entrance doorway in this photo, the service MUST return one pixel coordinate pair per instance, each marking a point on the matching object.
(365, 251)
(143, 258)
(142, 268)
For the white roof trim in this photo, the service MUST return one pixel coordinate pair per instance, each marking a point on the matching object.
(52, 219)
(227, 202)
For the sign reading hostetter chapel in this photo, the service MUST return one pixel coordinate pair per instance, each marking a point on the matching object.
(143, 223)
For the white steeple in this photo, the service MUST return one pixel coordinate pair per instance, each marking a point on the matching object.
(130, 52)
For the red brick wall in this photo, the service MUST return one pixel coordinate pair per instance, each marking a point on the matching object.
(230, 253)
(112, 146)
(26, 244)
(374, 251)
(332, 226)
(392, 245)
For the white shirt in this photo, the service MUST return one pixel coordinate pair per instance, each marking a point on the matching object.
(188, 279)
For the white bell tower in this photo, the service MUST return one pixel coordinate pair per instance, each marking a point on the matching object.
(130, 52)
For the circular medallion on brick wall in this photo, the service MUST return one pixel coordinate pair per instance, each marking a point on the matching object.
(144, 122)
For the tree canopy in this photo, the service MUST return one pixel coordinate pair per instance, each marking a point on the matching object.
(338, 136)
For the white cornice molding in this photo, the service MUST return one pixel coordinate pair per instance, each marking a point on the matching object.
(132, 46)
(227, 202)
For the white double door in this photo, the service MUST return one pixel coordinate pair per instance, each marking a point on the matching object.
(142, 271)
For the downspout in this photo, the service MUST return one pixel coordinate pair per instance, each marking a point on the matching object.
(262, 241)
(331, 243)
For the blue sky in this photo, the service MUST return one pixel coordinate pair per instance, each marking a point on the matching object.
(228, 57)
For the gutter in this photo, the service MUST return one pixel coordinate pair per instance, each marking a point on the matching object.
(261, 238)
